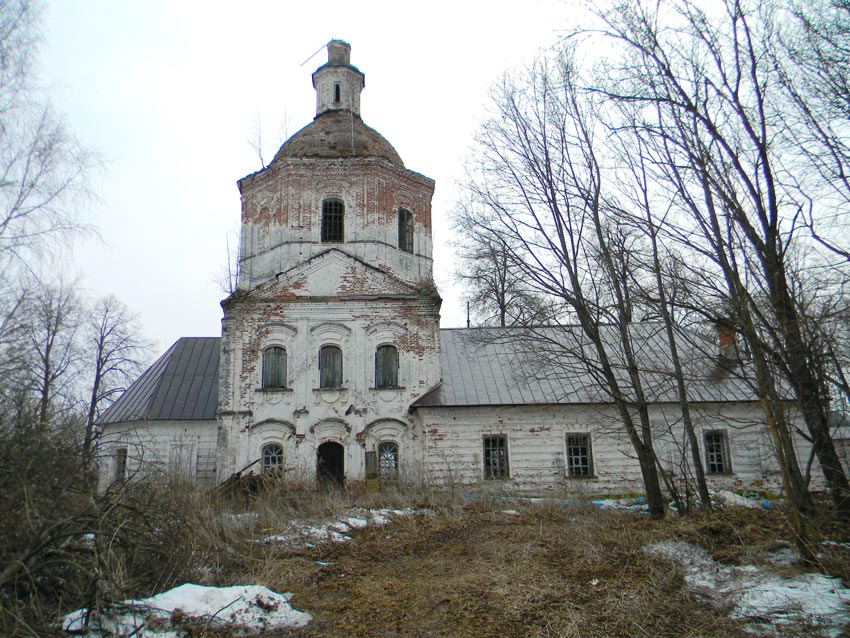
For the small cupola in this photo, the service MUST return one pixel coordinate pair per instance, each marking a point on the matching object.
(338, 84)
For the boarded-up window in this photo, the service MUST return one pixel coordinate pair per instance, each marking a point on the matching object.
(330, 367)
(717, 453)
(333, 220)
(386, 367)
(496, 457)
(120, 468)
(388, 461)
(405, 230)
(272, 457)
(579, 455)
(274, 368)
(181, 461)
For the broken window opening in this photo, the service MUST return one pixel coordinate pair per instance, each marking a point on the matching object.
(272, 457)
(388, 461)
(274, 368)
(405, 230)
(496, 457)
(330, 367)
(386, 367)
(579, 455)
(717, 452)
(333, 221)
(120, 467)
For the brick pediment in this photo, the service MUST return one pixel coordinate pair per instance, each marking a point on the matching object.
(334, 274)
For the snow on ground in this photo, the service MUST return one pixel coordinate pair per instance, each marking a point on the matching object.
(302, 534)
(242, 609)
(774, 605)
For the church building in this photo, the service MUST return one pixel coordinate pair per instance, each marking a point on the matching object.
(331, 364)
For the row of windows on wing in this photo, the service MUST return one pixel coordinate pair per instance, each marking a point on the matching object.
(580, 455)
(333, 224)
(330, 367)
(387, 453)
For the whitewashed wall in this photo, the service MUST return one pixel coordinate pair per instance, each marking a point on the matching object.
(160, 450)
(537, 446)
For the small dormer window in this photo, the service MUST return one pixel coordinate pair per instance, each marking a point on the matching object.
(336, 92)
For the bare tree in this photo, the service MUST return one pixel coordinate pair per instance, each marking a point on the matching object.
(51, 325)
(497, 292)
(542, 195)
(114, 354)
(43, 170)
(713, 102)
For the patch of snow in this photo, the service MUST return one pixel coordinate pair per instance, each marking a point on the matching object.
(511, 512)
(356, 522)
(725, 498)
(334, 531)
(783, 557)
(634, 504)
(245, 609)
(773, 604)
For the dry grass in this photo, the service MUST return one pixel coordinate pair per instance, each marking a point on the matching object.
(459, 567)
(470, 569)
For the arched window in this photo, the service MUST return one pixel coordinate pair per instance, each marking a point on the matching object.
(405, 230)
(387, 461)
(272, 456)
(330, 367)
(274, 368)
(333, 221)
(386, 367)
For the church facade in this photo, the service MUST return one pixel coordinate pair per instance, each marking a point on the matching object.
(331, 364)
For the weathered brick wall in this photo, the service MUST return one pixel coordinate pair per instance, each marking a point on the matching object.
(302, 416)
(281, 216)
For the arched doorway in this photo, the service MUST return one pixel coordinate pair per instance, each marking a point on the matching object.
(330, 463)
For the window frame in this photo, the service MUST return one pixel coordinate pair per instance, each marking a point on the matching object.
(381, 372)
(405, 230)
(390, 474)
(283, 368)
(119, 468)
(330, 383)
(712, 453)
(333, 221)
(498, 468)
(266, 455)
(579, 465)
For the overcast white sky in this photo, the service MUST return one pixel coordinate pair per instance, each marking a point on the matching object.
(168, 92)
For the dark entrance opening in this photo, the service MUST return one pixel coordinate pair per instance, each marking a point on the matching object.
(330, 464)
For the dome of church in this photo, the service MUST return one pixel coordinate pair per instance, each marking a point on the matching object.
(335, 134)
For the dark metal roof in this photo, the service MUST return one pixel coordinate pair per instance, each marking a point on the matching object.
(182, 385)
(556, 365)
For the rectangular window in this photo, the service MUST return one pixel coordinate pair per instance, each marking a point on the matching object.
(388, 461)
(496, 457)
(181, 461)
(717, 453)
(333, 216)
(120, 473)
(579, 455)
(274, 368)
(386, 367)
(330, 367)
(405, 230)
(842, 448)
